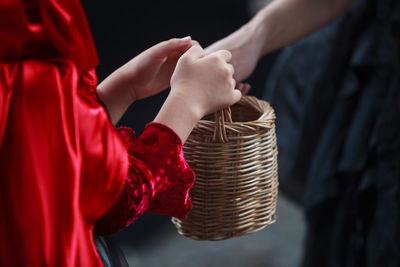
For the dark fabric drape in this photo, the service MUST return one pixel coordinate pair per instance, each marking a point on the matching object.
(337, 98)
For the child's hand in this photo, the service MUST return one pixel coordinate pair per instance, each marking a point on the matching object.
(150, 72)
(200, 85)
(145, 75)
(205, 82)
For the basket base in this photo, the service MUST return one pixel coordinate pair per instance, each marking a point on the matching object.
(223, 234)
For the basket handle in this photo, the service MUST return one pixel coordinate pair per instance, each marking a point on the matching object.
(221, 116)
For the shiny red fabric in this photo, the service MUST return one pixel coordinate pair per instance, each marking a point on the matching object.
(158, 149)
(63, 166)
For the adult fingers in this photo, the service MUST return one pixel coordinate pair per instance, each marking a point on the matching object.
(243, 88)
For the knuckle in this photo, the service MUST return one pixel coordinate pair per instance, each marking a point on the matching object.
(227, 71)
(223, 55)
(215, 58)
(223, 70)
(227, 53)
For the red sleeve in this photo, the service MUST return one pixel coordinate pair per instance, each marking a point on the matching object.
(159, 179)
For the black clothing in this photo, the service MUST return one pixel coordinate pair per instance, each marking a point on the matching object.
(337, 98)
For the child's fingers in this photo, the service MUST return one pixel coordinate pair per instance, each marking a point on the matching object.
(195, 52)
(231, 69)
(194, 42)
(163, 49)
(237, 95)
(186, 48)
(224, 54)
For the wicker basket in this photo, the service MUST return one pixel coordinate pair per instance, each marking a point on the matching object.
(234, 157)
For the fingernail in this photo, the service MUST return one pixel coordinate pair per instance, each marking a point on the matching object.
(185, 40)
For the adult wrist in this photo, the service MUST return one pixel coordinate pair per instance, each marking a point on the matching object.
(258, 27)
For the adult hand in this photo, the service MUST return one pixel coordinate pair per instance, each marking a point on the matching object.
(278, 24)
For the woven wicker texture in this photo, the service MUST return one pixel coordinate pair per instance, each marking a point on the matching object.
(234, 157)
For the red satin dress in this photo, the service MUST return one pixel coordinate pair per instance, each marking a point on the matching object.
(65, 171)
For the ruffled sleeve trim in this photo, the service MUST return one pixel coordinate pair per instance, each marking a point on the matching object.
(159, 179)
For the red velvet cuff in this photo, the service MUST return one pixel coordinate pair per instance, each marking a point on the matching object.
(160, 149)
(159, 179)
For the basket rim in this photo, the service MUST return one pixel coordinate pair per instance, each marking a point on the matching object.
(266, 119)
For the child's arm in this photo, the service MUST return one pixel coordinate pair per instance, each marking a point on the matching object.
(159, 177)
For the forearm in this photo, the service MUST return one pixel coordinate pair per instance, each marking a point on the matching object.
(116, 96)
(177, 115)
(283, 22)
